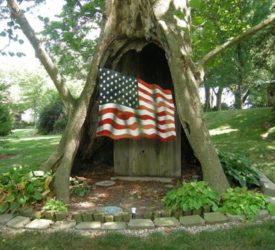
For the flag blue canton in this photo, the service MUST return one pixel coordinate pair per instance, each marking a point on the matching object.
(117, 88)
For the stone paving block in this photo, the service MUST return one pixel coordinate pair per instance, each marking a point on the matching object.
(118, 218)
(166, 222)
(88, 216)
(39, 224)
(235, 217)
(263, 214)
(18, 222)
(49, 215)
(126, 216)
(191, 220)
(114, 225)
(215, 218)
(271, 200)
(108, 218)
(77, 217)
(88, 225)
(268, 187)
(4, 218)
(64, 225)
(99, 217)
(61, 216)
(106, 183)
(141, 224)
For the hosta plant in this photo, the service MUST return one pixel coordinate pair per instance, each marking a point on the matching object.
(20, 187)
(191, 196)
(240, 201)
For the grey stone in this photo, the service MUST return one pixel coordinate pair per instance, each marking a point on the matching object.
(170, 186)
(99, 217)
(77, 217)
(18, 222)
(263, 214)
(235, 218)
(88, 216)
(271, 200)
(268, 187)
(108, 218)
(61, 215)
(26, 212)
(114, 225)
(106, 183)
(215, 218)
(166, 222)
(126, 216)
(64, 225)
(118, 217)
(88, 225)
(48, 215)
(39, 224)
(141, 224)
(4, 218)
(191, 220)
(157, 179)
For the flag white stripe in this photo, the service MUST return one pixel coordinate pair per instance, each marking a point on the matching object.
(134, 120)
(156, 108)
(156, 90)
(136, 132)
(155, 100)
(134, 111)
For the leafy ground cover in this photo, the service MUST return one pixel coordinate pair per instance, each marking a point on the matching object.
(244, 132)
(260, 236)
(26, 148)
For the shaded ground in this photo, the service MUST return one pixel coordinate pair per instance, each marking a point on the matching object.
(143, 195)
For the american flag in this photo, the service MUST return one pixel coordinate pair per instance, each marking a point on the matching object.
(132, 108)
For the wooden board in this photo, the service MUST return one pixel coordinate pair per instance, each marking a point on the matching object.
(148, 157)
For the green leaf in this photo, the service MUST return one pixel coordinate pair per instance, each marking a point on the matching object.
(197, 4)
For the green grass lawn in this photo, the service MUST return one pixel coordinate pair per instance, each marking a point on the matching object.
(260, 236)
(27, 147)
(243, 132)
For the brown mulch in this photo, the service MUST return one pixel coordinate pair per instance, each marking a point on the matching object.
(143, 195)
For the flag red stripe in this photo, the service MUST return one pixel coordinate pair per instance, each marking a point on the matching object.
(132, 126)
(159, 104)
(127, 115)
(153, 111)
(155, 95)
(127, 136)
(155, 86)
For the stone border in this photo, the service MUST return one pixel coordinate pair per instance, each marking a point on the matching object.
(267, 186)
(8, 221)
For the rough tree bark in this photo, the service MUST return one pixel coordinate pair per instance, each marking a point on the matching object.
(132, 25)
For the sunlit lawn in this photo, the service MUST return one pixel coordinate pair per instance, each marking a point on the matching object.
(243, 132)
(26, 148)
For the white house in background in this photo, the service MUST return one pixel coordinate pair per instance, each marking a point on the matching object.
(27, 116)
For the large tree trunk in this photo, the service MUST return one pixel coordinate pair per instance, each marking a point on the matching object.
(135, 24)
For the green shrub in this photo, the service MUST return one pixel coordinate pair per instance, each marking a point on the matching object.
(60, 124)
(53, 205)
(240, 201)
(79, 188)
(20, 187)
(191, 196)
(49, 116)
(6, 121)
(238, 170)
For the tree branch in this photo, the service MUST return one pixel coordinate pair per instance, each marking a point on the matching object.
(41, 54)
(232, 41)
